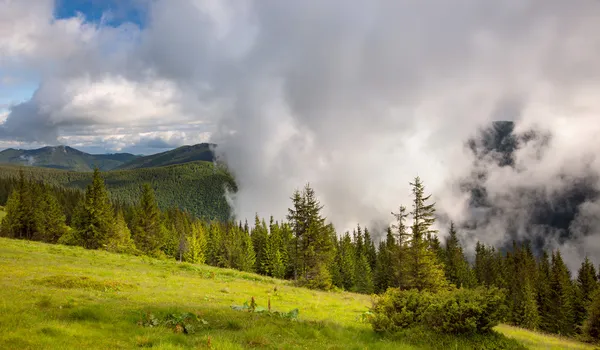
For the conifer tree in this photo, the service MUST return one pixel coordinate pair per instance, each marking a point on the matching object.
(94, 219)
(456, 266)
(119, 240)
(370, 251)
(586, 285)
(196, 244)
(148, 229)
(260, 236)
(364, 278)
(561, 297)
(347, 262)
(384, 270)
(425, 272)
(248, 261)
(49, 219)
(543, 293)
(400, 259)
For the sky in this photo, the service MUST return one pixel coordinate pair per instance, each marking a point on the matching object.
(356, 99)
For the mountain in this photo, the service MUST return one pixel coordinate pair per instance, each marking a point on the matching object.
(184, 154)
(198, 187)
(64, 157)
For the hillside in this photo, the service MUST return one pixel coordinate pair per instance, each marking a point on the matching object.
(72, 298)
(184, 154)
(64, 157)
(198, 187)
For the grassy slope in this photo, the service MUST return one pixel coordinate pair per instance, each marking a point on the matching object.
(196, 186)
(40, 309)
(540, 341)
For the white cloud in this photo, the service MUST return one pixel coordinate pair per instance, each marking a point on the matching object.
(355, 99)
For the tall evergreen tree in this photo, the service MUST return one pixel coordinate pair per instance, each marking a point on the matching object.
(148, 229)
(119, 239)
(543, 293)
(561, 297)
(456, 266)
(260, 236)
(425, 272)
(196, 244)
(94, 220)
(586, 285)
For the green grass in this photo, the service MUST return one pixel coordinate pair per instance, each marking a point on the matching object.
(58, 297)
(534, 340)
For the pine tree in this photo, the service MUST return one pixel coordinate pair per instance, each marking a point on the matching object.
(384, 270)
(586, 286)
(401, 238)
(591, 326)
(260, 236)
(543, 293)
(347, 263)
(49, 219)
(314, 246)
(248, 261)
(94, 220)
(196, 245)
(148, 229)
(561, 297)
(370, 251)
(456, 266)
(364, 278)
(119, 240)
(425, 272)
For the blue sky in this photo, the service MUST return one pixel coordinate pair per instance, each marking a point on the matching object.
(17, 86)
(120, 10)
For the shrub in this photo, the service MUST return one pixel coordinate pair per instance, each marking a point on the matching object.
(458, 311)
(466, 311)
(398, 309)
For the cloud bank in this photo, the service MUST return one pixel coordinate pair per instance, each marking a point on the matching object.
(356, 99)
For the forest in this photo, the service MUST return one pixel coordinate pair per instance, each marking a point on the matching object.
(418, 279)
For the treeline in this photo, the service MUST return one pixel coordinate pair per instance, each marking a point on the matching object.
(195, 187)
(539, 292)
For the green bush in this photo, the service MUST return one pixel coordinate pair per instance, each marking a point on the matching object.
(466, 311)
(458, 311)
(399, 309)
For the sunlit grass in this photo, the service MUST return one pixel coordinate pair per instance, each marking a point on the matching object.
(534, 340)
(58, 297)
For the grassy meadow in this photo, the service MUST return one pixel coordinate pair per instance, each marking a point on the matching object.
(58, 297)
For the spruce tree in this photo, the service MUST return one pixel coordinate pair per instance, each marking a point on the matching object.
(347, 262)
(248, 261)
(196, 244)
(148, 229)
(401, 238)
(544, 300)
(456, 266)
(424, 270)
(260, 236)
(49, 219)
(384, 270)
(119, 240)
(94, 220)
(561, 297)
(364, 277)
(370, 251)
(586, 285)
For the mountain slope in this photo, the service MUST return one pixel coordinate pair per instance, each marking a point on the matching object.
(64, 157)
(198, 187)
(70, 298)
(184, 154)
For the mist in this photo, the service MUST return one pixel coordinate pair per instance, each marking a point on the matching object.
(356, 100)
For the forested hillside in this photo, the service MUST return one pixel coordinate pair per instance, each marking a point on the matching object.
(184, 154)
(420, 281)
(197, 187)
(64, 157)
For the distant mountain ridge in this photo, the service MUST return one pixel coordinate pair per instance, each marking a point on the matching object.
(64, 157)
(180, 155)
